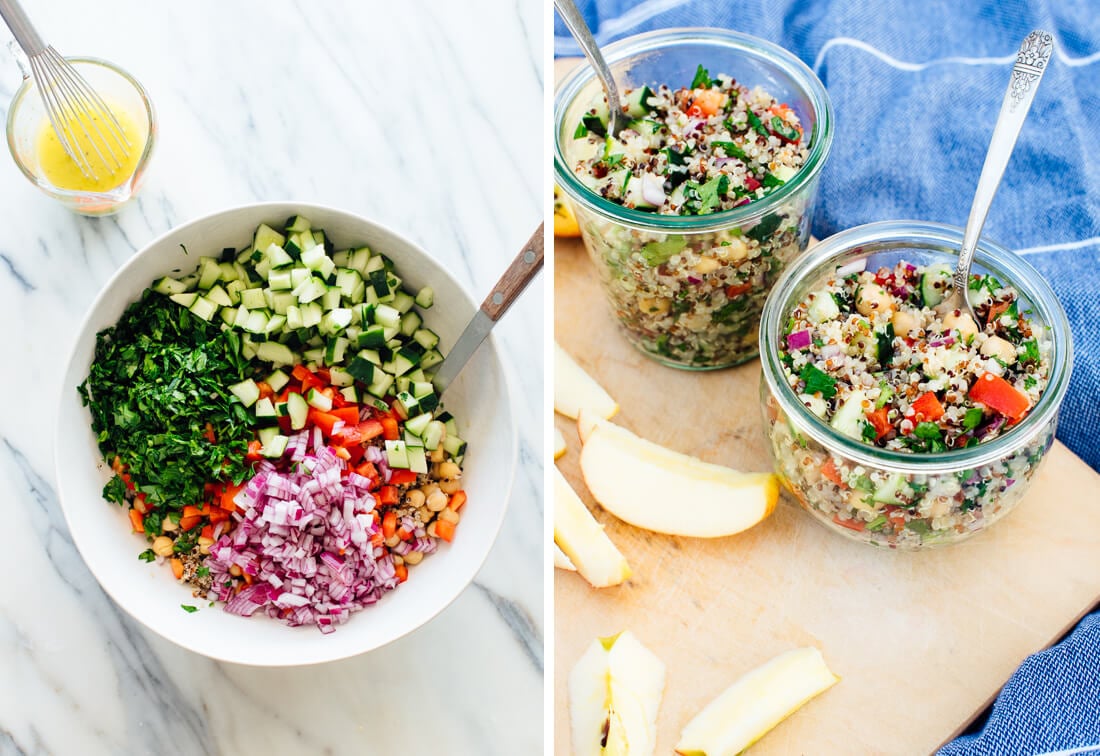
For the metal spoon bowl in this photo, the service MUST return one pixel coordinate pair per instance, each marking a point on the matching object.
(1031, 62)
(580, 31)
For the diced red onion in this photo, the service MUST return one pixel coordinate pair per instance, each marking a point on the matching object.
(855, 266)
(799, 340)
(653, 189)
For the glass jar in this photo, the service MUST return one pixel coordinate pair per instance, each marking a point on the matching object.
(941, 497)
(124, 95)
(676, 311)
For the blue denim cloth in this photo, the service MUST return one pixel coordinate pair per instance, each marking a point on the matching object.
(916, 87)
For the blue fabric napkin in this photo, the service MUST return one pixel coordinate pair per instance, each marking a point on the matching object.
(916, 88)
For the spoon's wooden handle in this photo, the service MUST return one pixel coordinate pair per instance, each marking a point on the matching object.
(527, 263)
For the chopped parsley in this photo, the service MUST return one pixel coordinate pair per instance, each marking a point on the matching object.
(1031, 351)
(147, 556)
(817, 380)
(188, 608)
(973, 418)
(702, 78)
(710, 193)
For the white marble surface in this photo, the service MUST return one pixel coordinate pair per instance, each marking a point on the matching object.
(426, 117)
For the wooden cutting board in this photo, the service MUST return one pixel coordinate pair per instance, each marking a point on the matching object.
(922, 641)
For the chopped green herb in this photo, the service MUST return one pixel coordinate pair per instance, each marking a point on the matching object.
(783, 129)
(702, 78)
(771, 180)
(710, 193)
(1031, 351)
(885, 339)
(731, 150)
(973, 418)
(147, 556)
(869, 433)
(202, 571)
(1030, 382)
(581, 132)
(928, 431)
(658, 253)
(188, 608)
(817, 380)
(756, 123)
(765, 228)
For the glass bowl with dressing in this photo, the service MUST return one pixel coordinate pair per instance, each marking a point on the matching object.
(43, 160)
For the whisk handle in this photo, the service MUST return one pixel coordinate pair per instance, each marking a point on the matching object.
(21, 28)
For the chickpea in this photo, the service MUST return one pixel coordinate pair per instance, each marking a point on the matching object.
(415, 498)
(872, 298)
(438, 500)
(235, 570)
(429, 489)
(392, 541)
(450, 485)
(449, 470)
(449, 515)
(167, 525)
(425, 513)
(140, 505)
(205, 544)
(707, 265)
(398, 560)
(414, 557)
(653, 305)
(904, 322)
(961, 322)
(162, 546)
(859, 500)
(430, 530)
(1000, 348)
(438, 455)
(736, 251)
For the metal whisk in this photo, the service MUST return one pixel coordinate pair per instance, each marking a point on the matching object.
(73, 106)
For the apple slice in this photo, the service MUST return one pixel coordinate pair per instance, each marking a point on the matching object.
(561, 561)
(658, 489)
(575, 389)
(615, 690)
(559, 444)
(756, 703)
(583, 540)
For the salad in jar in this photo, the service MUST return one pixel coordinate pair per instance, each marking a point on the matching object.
(875, 354)
(692, 298)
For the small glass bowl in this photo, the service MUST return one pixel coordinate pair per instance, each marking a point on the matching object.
(27, 115)
(955, 493)
(680, 318)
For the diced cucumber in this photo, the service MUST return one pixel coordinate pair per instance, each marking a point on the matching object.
(257, 321)
(425, 297)
(815, 404)
(413, 441)
(265, 236)
(430, 359)
(358, 259)
(935, 282)
(449, 422)
(418, 460)
(433, 435)
(407, 403)
(454, 446)
(849, 419)
(417, 425)
(425, 338)
(279, 280)
(822, 307)
(397, 455)
(247, 391)
(209, 272)
(233, 289)
(277, 380)
(350, 393)
(185, 299)
(636, 102)
(266, 434)
(381, 384)
(169, 286)
(410, 322)
(362, 369)
(887, 493)
(275, 353)
(265, 407)
(253, 299)
(334, 321)
(309, 290)
(311, 314)
(402, 301)
(314, 356)
(339, 377)
(335, 351)
(275, 446)
(372, 337)
(278, 257)
(293, 317)
(203, 308)
(387, 316)
(298, 410)
(296, 224)
(330, 300)
(318, 400)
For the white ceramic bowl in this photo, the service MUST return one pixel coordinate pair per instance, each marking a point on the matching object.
(480, 400)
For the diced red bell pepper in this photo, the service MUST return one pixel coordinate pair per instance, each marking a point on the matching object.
(387, 495)
(736, 290)
(879, 421)
(751, 183)
(323, 420)
(458, 500)
(390, 431)
(137, 521)
(856, 525)
(831, 473)
(1000, 396)
(253, 454)
(217, 514)
(926, 408)
(445, 529)
(389, 524)
(402, 477)
(350, 415)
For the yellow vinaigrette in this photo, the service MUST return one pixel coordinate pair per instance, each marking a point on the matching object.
(62, 171)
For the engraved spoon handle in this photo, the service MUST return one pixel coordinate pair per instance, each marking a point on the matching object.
(1031, 63)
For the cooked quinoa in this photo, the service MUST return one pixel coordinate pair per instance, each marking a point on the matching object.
(693, 299)
(869, 353)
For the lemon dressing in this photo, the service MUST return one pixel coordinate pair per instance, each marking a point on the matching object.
(110, 167)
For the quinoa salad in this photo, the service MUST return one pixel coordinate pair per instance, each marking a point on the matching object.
(874, 354)
(693, 299)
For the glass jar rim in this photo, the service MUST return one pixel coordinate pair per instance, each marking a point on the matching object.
(820, 138)
(884, 235)
(28, 84)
